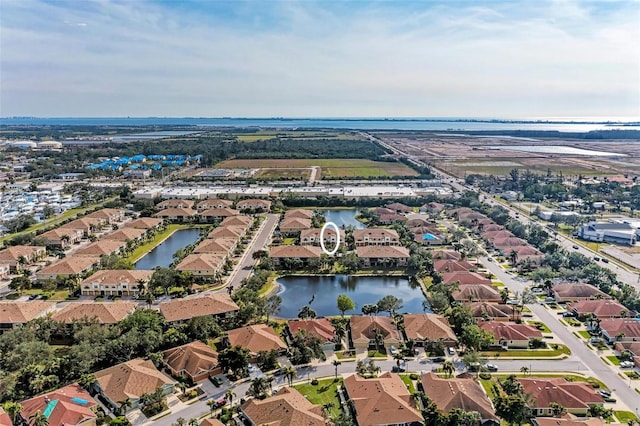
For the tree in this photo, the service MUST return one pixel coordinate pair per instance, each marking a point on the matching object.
(124, 405)
(193, 422)
(267, 360)
(13, 409)
(389, 304)
(290, 373)
(345, 304)
(369, 309)
(86, 381)
(258, 387)
(336, 363)
(512, 408)
(212, 406)
(448, 368)
(598, 410)
(504, 295)
(38, 419)
(524, 370)
(306, 312)
(459, 316)
(349, 262)
(203, 328)
(305, 347)
(475, 338)
(272, 306)
(399, 358)
(557, 409)
(229, 394)
(235, 359)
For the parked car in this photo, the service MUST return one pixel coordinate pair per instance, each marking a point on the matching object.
(605, 260)
(216, 381)
(596, 258)
(396, 369)
(393, 350)
(451, 351)
(438, 359)
(492, 367)
(575, 247)
(604, 393)
(595, 340)
(626, 364)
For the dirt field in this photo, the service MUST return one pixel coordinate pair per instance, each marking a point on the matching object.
(330, 168)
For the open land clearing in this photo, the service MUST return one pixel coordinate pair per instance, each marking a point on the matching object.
(264, 135)
(330, 168)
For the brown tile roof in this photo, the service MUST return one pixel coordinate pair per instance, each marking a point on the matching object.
(365, 326)
(320, 327)
(571, 395)
(83, 223)
(476, 293)
(106, 214)
(286, 408)
(13, 253)
(227, 232)
(70, 265)
(14, 312)
(600, 308)
(294, 223)
(464, 277)
(508, 243)
(144, 223)
(445, 254)
(253, 202)
(124, 234)
(295, 251)
(315, 232)
(201, 262)
(225, 212)
(214, 203)
(427, 326)
(381, 401)
(388, 218)
(502, 330)
(392, 252)
(57, 233)
(177, 212)
(448, 265)
(171, 204)
(492, 235)
(208, 304)
(527, 251)
(633, 347)
(101, 248)
(299, 214)
(383, 210)
(576, 291)
(375, 234)
(194, 358)
(399, 207)
(117, 276)
(217, 245)
(571, 421)
(630, 327)
(130, 379)
(256, 338)
(492, 227)
(463, 393)
(67, 408)
(237, 221)
(103, 312)
(492, 310)
(433, 206)
(211, 422)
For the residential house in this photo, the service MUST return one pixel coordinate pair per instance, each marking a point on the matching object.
(202, 264)
(228, 232)
(632, 347)
(510, 335)
(175, 204)
(298, 214)
(319, 327)
(14, 313)
(214, 203)
(103, 313)
(102, 248)
(376, 237)
(67, 406)
(72, 265)
(178, 214)
(384, 400)
(448, 265)
(388, 219)
(506, 245)
(476, 293)
(62, 237)
(5, 420)
(256, 338)
(195, 360)
(489, 236)
(430, 239)
(492, 311)
(432, 207)
(223, 247)
(218, 305)
(213, 215)
(111, 216)
(380, 211)
(575, 397)
(569, 419)
(129, 381)
(383, 256)
(144, 223)
(312, 237)
(600, 308)
(89, 225)
(465, 277)
(286, 407)
(464, 393)
(116, 282)
(422, 328)
(17, 257)
(254, 205)
(240, 220)
(399, 208)
(445, 254)
(366, 330)
(294, 225)
(620, 329)
(574, 292)
(211, 422)
(301, 254)
(127, 234)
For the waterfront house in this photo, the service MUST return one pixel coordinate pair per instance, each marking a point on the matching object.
(136, 235)
(399, 208)
(116, 282)
(15, 313)
(376, 237)
(195, 360)
(371, 331)
(384, 400)
(217, 305)
(319, 327)
(129, 381)
(298, 254)
(145, 223)
(17, 257)
(298, 214)
(286, 407)
(202, 264)
(383, 256)
(102, 248)
(256, 338)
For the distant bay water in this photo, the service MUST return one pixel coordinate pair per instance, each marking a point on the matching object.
(428, 124)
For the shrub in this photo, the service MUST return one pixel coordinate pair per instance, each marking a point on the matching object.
(413, 376)
(314, 382)
(485, 375)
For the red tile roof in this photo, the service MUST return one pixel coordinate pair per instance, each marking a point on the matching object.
(256, 338)
(320, 327)
(463, 393)
(600, 308)
(70, 405)
(571, 395)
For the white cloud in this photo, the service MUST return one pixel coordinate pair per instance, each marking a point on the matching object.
(320, 59)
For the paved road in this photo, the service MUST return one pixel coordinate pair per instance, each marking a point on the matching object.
(592, 362)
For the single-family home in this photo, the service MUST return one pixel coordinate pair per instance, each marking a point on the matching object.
(254, 205)
(445, 254)
(428, 327)
(17, 257)
(302, 254)
(62, 237)
(510, 335)
(575, 397)
(102, 312)
(376, 237)
(476, 293)
(600, 308)
(399, 208)
(491, 311)
(432, 207)
(16, 313)
(202, 264)
(102, 248)
(574, 292)
(175, 204)
(388, 219)
(569, 419)
(463, 393)
(620, 329)
(67, 406)
(129, 381)
(366, 330)
(448, 265)
(219, 305)
(256, 338)
(286, 407)
(465, 277)
(384, 400)
(195, 360)
(178, 214)
(72, 265)
(319, 327)
(116, 282)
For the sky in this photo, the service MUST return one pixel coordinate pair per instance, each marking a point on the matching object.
(268, 58)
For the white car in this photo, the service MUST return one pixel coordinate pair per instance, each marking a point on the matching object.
(626, 364)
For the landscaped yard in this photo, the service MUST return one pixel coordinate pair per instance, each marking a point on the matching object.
(614, 359)
(540, 326)
(376, 354)
(584, 334)
(326, 391)
(408, 383)
(625, 416)
(528, 353)
(59, 294)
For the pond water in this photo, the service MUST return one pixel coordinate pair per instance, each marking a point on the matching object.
(343, 217)
(162, 255)
(297, 291)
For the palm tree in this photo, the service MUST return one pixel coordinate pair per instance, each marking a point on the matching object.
(258, 387)
(212, 406)
(524, 369)
(193, 422)
(399, 358)
(326, 409)
(38, 419)
(336, 363)
(86, 380)
(142, 284)
(513, 257)
(290, 373)
(448, 368)
(13, 409)
(182, 386)
(124, 404)
(229, 394)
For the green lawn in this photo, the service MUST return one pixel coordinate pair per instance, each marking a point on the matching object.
(540, 326)
(343, 356)
(584, 334)
(528, 353)
(289, 241)
(625, 416)
(486, 384)
(59, 294)
(613, 359)
(140, 251)
(408, 383)
(376, 354)
(324, 392)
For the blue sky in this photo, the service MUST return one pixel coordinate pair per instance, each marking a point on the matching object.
(512, 59)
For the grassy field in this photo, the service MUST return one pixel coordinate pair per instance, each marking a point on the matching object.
(503, 165)
(283, 174)
(60, 294)
(324, 392)
(331, 168)
(530, 353)
(261, 135)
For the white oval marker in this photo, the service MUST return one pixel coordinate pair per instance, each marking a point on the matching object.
(324, 249)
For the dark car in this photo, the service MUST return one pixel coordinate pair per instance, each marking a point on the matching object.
(575, 247)
(216, 381)
(396, 369)
(438, 359)
(605, 260)
(492, 367)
